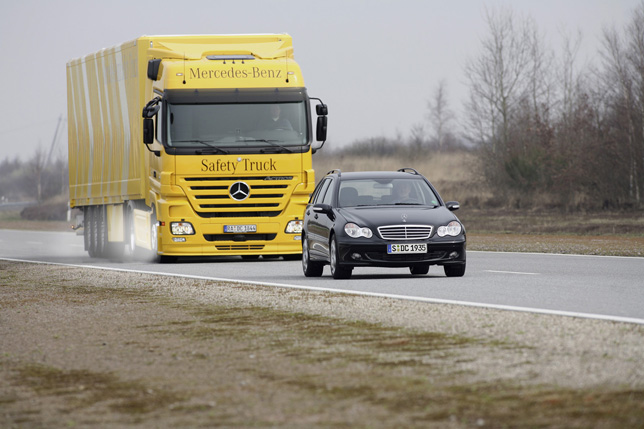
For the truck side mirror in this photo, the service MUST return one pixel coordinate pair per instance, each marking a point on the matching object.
(153, 69)
(320, 131)
(322, 110)
(148, 131)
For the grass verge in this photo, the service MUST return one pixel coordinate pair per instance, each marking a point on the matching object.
(91, 348)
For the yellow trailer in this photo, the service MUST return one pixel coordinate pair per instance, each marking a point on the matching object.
(192, 145)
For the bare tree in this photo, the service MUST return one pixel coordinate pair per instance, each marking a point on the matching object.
(623, 78)
(37, 167)
(440, 116)
(417, 138)
(498, 77)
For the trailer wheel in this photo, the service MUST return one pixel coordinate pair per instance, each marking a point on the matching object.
(101, 231)
(91, 231)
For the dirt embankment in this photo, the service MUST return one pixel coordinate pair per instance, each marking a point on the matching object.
(91, 348)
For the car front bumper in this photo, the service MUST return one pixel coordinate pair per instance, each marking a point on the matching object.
(356, 254)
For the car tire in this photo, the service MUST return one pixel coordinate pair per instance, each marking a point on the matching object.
(310, 268)
(457, 270)
(337, 272)
(418, 270)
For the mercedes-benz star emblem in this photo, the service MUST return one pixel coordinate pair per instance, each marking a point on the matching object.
(239, 191)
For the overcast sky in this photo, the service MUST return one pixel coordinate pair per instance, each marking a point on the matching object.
(375, 63)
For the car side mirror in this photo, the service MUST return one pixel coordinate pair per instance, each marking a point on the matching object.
(323, 208)
(452, 205)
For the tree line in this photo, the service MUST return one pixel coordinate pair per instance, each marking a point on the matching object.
(38, 179)
(545, 126)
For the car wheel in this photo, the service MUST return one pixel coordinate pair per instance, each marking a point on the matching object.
(310, 268)
(337, 271)
(417, 270)
(455, 270)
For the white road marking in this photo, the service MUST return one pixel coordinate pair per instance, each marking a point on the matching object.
(370, 294)
(511, 272)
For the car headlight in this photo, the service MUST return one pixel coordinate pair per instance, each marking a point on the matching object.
(294, 227)
(354, 231)
(181, 228)
(453, 228)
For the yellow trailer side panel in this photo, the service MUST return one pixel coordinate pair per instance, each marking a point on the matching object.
(107, 162)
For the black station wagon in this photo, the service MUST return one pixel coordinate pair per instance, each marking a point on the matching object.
(380, 218)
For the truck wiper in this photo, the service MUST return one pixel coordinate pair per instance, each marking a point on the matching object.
(272, 143)
(218, 149)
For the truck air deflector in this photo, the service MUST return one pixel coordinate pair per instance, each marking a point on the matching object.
(237, 95)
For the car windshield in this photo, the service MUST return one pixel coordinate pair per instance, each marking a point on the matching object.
(277, 125)
(380, 192)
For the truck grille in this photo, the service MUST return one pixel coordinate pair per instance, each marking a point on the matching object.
(405, 232)
(210, 197)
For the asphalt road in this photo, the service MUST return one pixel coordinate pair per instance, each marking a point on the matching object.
(610, 287)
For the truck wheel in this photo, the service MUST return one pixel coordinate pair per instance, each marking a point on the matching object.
(154, 241)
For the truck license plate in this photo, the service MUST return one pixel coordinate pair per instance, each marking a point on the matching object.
(406, 248)
(240, 228)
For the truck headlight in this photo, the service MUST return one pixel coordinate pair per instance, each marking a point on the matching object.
(294, 227)
(181, 228)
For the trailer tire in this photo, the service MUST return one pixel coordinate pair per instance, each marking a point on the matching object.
(91, 231)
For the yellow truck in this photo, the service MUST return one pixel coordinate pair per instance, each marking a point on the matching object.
(192, 145)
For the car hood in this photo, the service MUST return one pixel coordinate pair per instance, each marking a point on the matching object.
(396, 215)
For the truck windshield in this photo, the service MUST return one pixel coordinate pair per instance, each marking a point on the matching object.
(278, 126)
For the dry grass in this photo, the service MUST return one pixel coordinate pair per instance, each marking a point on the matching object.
(169, 361)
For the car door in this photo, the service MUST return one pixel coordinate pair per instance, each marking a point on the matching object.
(318, 224)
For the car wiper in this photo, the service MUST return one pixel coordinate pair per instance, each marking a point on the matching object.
(210, 146)
(272, 143)
(408, 204)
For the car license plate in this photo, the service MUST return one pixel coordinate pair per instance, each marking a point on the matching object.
(406, 248)
(240, 228)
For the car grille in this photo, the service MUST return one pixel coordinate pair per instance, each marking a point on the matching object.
(405, 232)
(210, 196)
